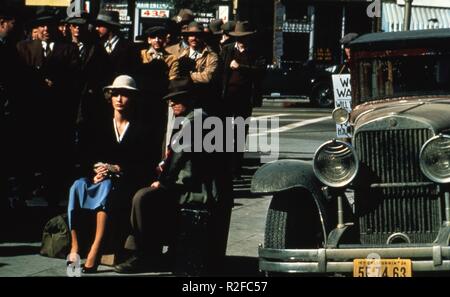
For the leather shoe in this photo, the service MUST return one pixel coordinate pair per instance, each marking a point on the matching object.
(89, 270)
(134, 264)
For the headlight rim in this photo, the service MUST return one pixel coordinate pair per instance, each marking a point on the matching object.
(422, 165)
(339, 109)
(320, 176)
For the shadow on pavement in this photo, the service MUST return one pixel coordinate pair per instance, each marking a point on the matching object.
(241, 266)
(11, 251)
(26, 224)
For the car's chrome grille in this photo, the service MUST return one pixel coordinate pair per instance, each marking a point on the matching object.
(417, 217)
(392, 193)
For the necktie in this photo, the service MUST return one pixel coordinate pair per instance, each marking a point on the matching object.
(108, 47)
(81, 49)
(47, 50)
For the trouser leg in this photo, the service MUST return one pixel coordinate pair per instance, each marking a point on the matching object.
(153, 218)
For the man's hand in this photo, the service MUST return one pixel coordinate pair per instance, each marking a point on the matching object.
(99, 178)
(234, 65)
(49, 82)
(155, 185)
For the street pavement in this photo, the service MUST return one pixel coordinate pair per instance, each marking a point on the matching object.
(300, 131)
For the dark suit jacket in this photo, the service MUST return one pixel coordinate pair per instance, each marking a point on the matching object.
(95, 71)
(254, 70)
(187, 171)
(123, 59)
(54, 107)
(62, 68)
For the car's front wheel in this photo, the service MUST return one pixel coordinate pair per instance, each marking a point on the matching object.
(322, 95)
(293, 222)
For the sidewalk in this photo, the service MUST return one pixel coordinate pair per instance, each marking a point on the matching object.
(20, 256)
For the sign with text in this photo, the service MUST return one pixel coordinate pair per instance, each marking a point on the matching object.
(154, 13)
(224, 12)
(47, 2)
(342, 90)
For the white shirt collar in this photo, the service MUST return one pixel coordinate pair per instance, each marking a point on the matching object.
(113, 41)
(119, 138)
(193, 53)
(45, 43)
(237, 47)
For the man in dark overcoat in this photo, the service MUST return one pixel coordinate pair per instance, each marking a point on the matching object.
(10, 96)
(93, 111)
(122, 55)
(155, 70)
(243, 72)
(186, 181)
(52, 104)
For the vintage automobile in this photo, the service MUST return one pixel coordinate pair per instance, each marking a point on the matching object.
(301, 80)
(379, 199)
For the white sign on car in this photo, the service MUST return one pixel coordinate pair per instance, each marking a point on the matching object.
(342, 99)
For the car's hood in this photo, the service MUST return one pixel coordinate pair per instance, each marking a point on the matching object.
(433, 113)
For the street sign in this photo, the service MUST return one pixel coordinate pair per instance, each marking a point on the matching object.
(154, 13)
(342, 99)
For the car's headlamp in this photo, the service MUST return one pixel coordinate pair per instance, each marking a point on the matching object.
(435, 159)
(335, 163)
(340, 115)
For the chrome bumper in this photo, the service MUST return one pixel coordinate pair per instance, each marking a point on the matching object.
(431, 258)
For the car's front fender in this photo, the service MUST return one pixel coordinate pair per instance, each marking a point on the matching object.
(284, 175)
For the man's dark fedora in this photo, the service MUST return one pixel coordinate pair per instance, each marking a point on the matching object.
(44, 17)
(242, 29)
(228, 27)
(185, 16)
(81, 19)
(194, 28)
(215, 26)
(348, 38)
(156, 31)
(109, 18)
(180, 88)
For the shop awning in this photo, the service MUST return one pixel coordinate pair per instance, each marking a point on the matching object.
(421, 17)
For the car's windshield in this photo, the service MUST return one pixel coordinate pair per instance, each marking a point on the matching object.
(402, 73)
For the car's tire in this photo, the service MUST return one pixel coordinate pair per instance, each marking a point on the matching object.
(293, 222)
(322, 95)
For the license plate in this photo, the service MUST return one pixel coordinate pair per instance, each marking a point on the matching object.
(382, 268)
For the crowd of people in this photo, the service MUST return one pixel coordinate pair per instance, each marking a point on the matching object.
(81, 103)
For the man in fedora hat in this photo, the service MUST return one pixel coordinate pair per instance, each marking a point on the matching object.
(243, 69)
(10, 100)
(95, 71)
(52, 102)
(156, 209)
(345, 41)
(226, 29)
(157, 67)
(215, 35)
(183, 19)
(201, 64)
(123, 57)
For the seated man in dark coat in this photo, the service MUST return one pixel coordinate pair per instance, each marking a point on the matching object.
(184, 180)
